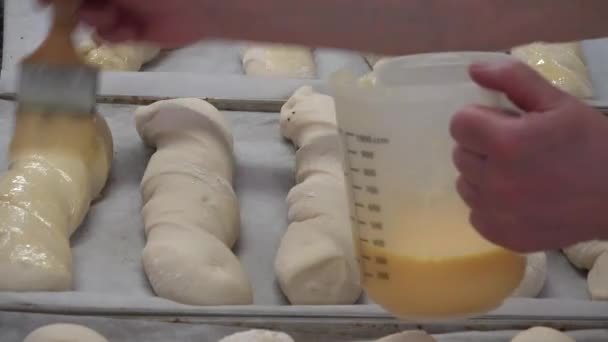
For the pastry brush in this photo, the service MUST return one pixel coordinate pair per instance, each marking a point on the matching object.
(54, 78)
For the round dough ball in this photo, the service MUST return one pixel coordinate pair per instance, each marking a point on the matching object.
(542, 334)
(258, 336)
(535, 277)
(64, 333)
(409, 336)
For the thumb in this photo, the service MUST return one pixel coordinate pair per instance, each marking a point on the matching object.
(525, 87)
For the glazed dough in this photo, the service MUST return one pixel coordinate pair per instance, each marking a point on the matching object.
(562, 64)
(258, 336)
(409, 336)
(542, 334)
(274, 60)
(129, 56)
(534, 278)
(58, 164)
(64, 333)
(592, 256)
(315, 263)
(190, 212)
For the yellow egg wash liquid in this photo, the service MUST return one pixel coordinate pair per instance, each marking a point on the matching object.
(435, 265)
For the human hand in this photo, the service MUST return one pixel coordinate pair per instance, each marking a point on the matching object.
(536, 181)
(168, 23)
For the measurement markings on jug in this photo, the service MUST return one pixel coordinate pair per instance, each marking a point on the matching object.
(369, 173)
(381, 261)
(362, 223)
(367, 154)
(383, 276)
(355, 170)
(358, 188)
(373, 190)
(359, 205)
(379, 243)
(377, 225)
(374, 208)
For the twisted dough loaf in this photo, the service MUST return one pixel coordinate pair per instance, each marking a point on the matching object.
(128, 56)
(315, 263)
(534, 278)
(58, 164)
(64, 333)
(592, 256)
(191, 212)
(275, 60)
(562, 64)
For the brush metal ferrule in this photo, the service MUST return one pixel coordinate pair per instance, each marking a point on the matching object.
(58, 88)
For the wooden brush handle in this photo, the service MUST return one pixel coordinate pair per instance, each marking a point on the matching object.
(58, 47)
(64, 15)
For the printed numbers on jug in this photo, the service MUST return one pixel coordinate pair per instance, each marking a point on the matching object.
(363, 152)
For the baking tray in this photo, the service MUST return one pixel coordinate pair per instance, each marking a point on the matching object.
(109, 280)
(14, 327)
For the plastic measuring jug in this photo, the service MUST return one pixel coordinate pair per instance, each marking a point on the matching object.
(419, 256)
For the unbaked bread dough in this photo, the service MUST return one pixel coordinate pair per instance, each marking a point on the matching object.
(64, 333)
(58, 164)
(127, 56)
(277, 60)
(258, 336)
(409, 336)
(316, 263)
(190, 212)
(592, 256)
(534, 278)
(542, 334)
(562, 64)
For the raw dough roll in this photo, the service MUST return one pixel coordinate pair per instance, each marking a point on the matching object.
(562, 64)
(542, 334)
(58, 164)
(409, 336)
(534, 278)
(128, 56)
(258, 336)
(274, 60)
(592, 256)
(64, 333)
(190, 212)
(316, 263)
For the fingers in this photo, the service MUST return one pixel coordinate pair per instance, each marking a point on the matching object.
(505, 230)
(526, 88)
(486, 131)
(100, 15)
(469, 164)
(468, 192)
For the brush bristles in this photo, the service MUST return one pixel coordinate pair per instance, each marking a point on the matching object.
(52, 88)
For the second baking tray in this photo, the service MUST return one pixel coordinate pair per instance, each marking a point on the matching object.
(109, 280)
